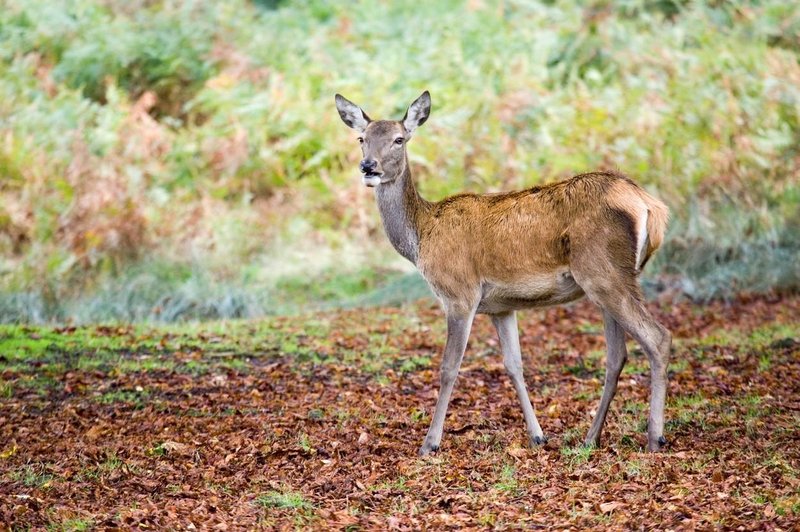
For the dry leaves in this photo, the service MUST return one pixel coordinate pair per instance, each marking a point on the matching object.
(325, 439)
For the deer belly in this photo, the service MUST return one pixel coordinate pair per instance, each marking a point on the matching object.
(540, 290)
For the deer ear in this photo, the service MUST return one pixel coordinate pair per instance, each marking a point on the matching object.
(417, 113)
(351, 114)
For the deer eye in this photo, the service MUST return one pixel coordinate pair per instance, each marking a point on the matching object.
(399, 140)
(361, 140)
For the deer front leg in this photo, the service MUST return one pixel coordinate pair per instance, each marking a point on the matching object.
(458, 328)
(616, 355)
(506, 326)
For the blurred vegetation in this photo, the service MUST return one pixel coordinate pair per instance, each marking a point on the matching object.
(172, 160)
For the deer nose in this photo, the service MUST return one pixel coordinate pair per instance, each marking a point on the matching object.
(368, 165)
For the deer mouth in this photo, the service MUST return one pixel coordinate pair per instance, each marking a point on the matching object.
(372, 179)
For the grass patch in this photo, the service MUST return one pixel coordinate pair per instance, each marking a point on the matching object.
(762, 338)
(71, 525)
(577, 455)
(571, 437)
(136, 398)
(689, 412)
(288, 500)
(410, 365)
(111, 463)
(31, 476)
(396, 485)
(146, 363)
(40, 384)
(636, 364)
(508, 479)
(583, 371)
(328, 287)
(6, 388)
(305, 443)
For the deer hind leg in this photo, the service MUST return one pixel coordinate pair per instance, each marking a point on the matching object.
(617, 292)
(656, 341)
(506, 326)
(458, 327)
(616, 355)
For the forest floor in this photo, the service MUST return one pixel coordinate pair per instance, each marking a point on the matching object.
(315, 421)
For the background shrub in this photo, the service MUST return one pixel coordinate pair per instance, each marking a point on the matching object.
(201, 137)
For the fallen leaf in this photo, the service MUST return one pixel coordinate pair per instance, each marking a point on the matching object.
(176, 447)
(342, 517)
(608, 507)
(94, 433)
(517, 452)
(8, 453)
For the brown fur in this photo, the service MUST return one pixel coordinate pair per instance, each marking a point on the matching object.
(469, 240)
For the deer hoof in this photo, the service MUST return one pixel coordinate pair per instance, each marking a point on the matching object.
(428, 449)
(657, 445)
(539, 440)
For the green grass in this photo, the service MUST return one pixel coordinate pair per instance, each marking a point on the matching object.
(60, 349)
(412, 364)
(71, 525)
(577, 455)
(37, 383)
(305, 443)
(290, 500)
(136, 398)
(398, 484)
(689, 410)
(147, 363)
(507, 481)
(41, 354)
(756, 340)
(31, 476)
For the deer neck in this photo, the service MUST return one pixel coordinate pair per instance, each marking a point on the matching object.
(402, 209)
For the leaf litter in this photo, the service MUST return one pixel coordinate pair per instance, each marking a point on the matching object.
(315, 422)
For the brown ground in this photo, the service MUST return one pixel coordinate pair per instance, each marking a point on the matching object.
(315, 422)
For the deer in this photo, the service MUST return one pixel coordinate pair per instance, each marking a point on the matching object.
(494, 254)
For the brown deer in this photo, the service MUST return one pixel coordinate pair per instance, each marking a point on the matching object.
(498, 253)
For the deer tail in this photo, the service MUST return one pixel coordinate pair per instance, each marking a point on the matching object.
(657, 218)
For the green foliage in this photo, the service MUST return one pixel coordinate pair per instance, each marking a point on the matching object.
(178, 156)
(165, 51)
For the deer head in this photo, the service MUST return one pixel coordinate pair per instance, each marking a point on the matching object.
(383, 142)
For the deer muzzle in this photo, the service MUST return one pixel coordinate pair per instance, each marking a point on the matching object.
(371, 174)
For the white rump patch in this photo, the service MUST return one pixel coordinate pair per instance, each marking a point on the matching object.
(642, 238)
